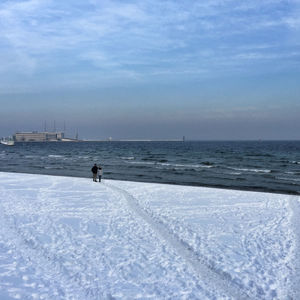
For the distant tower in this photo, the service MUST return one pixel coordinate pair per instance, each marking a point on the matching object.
(64, 126)
(183, 138)
(45, 126)
(54, 126)
(76, 137)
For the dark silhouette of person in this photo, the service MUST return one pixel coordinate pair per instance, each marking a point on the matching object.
(94, 171)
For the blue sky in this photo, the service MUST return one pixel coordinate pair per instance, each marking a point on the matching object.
(217, 69)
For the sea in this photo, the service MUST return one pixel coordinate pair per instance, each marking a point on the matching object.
(268, 166)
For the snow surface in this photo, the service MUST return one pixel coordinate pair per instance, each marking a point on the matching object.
(71, 238)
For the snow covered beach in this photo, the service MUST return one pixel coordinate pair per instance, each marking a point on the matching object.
(71, 238)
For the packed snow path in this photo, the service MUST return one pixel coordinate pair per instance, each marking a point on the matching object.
(71, 238)
(203, 268)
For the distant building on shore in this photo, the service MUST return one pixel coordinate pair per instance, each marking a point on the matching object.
(35, 136)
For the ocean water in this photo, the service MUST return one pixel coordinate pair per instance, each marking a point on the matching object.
(259, 166)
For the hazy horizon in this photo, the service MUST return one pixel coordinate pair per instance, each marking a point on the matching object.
(153, 70)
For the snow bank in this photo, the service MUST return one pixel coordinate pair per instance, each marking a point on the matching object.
(71, 238)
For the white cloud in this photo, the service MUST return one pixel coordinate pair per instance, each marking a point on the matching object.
(99, 59)
(293, 22)
(138, 39)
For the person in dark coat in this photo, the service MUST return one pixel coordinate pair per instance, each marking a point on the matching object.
(94, 171)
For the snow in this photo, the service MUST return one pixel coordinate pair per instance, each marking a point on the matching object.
(71, 238)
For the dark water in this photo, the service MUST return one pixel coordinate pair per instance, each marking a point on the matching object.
(260, 166)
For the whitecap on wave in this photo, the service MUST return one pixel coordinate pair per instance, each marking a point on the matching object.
(251, 170)
(182, 166)
(54, 167)
(289, 179)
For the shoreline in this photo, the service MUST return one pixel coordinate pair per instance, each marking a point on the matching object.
(220, 187)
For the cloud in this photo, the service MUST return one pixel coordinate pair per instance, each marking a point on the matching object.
(136, 40)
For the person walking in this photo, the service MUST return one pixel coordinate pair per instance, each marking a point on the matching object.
(100, 173)
(94, 171)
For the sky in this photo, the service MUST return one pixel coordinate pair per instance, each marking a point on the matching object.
(159, 69)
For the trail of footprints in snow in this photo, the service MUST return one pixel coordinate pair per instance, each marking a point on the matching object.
(50, 265)
(203, 269)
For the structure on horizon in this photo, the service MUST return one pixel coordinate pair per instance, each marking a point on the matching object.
(35, 136)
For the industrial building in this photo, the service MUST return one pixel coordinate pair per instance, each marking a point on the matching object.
(36, 136)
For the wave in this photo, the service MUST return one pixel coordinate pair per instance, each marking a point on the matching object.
(55, 156)
(289, 179)
(83, 157)
(185, 165)
(164, 164)
(251, 170)
(259, 155)
(292, 173)
(54, 167)
(128, 157)
(140, 162)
